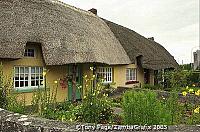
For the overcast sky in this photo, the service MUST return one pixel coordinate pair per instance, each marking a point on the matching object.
(173, 23)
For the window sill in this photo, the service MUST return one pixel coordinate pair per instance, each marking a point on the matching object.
(131, 82)
(27, 90)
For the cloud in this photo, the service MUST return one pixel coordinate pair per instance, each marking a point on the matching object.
(173, 23)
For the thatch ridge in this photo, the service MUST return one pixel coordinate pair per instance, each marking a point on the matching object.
(154, 55)
(67, 34)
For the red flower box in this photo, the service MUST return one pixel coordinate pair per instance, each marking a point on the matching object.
(131, 82)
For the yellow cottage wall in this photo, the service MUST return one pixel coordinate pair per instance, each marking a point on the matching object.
(119, 74)
(54, 72)
(58, 72)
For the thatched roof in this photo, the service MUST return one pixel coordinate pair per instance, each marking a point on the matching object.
(67, 34)
(154, 55)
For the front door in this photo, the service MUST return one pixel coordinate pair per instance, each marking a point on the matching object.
(78, 82)
(146, 76)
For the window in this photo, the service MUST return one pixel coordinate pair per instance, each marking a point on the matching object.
(105, 73)
(27, 77)
(29, 53)
(130, 74)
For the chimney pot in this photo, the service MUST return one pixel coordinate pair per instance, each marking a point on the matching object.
(151, 38)
(93, 10)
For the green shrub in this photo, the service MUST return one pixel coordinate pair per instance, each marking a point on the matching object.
(15, 104)
(95, 109)
(8, 98)
(152, 87)
(95, 106)
(144, 108)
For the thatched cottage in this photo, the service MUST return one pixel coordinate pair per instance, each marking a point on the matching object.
(48, 34)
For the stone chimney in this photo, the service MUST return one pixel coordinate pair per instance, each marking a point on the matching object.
(152, 38)
(93, 10)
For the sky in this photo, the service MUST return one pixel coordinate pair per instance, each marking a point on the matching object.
(173, 23)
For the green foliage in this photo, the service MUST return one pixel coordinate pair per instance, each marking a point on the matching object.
(152, 87)
(117, 101)
(186, 67)
(95, 107)
(44, 101)
(3, 101)
(144, 108)
(8, 98)
(172, 108)
(15, 103)
(177, 78)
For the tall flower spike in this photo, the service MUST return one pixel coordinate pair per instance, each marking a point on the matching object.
(44, 73)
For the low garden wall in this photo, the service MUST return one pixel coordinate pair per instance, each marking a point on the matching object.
(161, 94)
(14, 122)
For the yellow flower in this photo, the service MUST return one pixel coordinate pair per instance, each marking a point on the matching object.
(197, 93)
(184, 93)
(191, 90)
(187, 87)
(71, 119)
(84, 97)
(193, 85)
(93, 94)
(93, 76)
(55, 82)
(44, 73)
(85, 76)
(91, 68)
(42, 82)
(197, 110)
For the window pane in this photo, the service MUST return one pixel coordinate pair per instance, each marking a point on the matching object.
(26, 54)
(32, 69)
(37, 82)
(21, 83)
(33, 83)
(26, 70)
(32, 76)
(16, 76)
(105, 73)
(16, 69)
(21, 69)
(41, 70)
(29, 52)
(37, 69)
(41, 77)
(21, 76)
(26, 83)
(37, 76)
(41, 82)
(16, 83)
(26, 76)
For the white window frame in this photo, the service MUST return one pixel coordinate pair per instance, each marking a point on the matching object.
(131, 74)
(106, 73)
(29, 77)
(34, 52)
